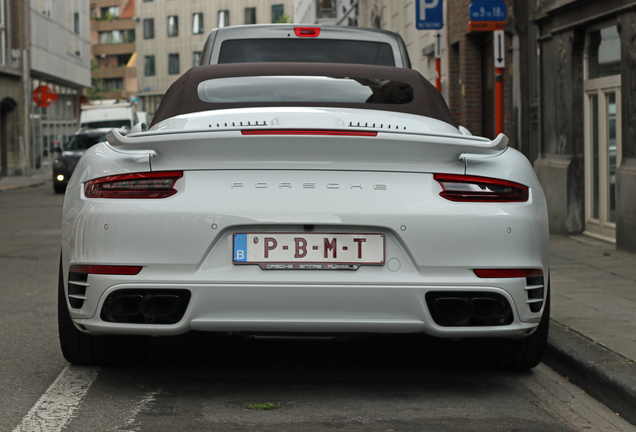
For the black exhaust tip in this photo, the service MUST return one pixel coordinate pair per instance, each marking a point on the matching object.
(469, 309)
(487, 308)
(146, 306)
(162, 305)
(126, 305)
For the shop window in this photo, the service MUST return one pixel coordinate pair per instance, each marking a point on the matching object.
(602, 122)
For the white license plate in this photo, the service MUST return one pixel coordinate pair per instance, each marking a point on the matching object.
(328, 248)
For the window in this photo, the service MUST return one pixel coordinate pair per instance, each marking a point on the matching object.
(110, 12)
(149, 28)
(603, 149)
(76, 23)
(278, 10)
(224, 18)
(306, 50)
(604, 53)
(196, 58)
(149, 65)
(116, 36)
(113, 84)
(250, 15)
(173, 26)
(326, 9)
(173, 64)
(197, 23)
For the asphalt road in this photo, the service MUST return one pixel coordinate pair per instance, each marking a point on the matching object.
(200, 382)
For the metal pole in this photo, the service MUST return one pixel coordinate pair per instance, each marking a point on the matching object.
(499, 100)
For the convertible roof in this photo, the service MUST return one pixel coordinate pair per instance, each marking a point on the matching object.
(182, 96)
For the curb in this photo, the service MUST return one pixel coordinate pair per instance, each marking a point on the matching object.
(605, 375)
(23, 185)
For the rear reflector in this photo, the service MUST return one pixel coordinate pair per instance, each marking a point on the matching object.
(307, 31)
(106, 270)
(508, 273)
(480, 189)
(139, 185)
(307, 132)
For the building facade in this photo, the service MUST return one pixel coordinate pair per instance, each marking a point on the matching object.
(44, 68)
(113, 50)
(171, 35)
(586, 64)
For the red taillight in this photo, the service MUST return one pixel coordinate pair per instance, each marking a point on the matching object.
(307, 31)
(480, 189)
(308, 132)
(139, 185)
(508, 273)
(106, 270)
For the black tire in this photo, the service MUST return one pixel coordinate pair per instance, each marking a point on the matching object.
(526, 353)
(59, 188)
(512, 354)
(85, 350)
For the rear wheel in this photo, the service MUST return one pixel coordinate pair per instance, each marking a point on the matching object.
(81, 349)
(515, 354)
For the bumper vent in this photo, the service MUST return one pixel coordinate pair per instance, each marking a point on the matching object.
(469, 309)
(77, 286)
(535, 290)
(146, 306)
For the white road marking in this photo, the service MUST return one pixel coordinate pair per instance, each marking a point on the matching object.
(56, 407)
(148, 399)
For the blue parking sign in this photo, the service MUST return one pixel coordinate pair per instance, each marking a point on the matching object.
(429, 14)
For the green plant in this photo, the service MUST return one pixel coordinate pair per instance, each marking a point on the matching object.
(264, 406)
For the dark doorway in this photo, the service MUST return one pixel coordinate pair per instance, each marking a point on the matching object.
(8, 125)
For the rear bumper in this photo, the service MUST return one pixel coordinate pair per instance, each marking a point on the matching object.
(254, 308)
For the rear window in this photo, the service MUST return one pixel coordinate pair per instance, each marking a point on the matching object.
(304, 89)
(306, 50)
(84, 141)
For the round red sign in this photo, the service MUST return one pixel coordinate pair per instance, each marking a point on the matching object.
(43, 96)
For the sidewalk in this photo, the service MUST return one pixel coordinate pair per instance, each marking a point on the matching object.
(38, 178)
(593, 331)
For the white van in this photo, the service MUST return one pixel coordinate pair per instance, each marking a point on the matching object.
(110, 113)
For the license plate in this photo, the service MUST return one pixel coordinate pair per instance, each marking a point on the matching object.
(319, 248)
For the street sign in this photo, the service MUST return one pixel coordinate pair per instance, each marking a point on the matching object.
(500, 49)
(43, 96)
(429, 14)
(487, 11)
(486, 25)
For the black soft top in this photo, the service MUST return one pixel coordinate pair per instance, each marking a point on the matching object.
(183, 98)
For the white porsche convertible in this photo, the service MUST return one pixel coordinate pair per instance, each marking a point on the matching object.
(288, 198)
